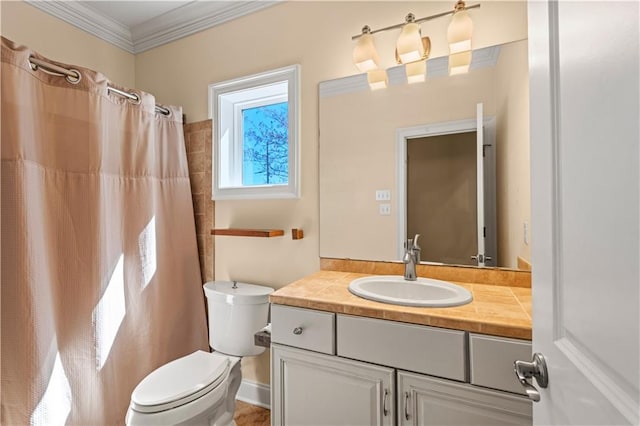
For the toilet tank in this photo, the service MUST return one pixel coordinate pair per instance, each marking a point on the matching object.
(236, 312)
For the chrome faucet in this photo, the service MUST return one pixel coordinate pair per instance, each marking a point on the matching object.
(411, 258)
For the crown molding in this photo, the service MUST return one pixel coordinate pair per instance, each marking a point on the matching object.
(185, 20)
(436, 67)
(89, 20)
(190, 19)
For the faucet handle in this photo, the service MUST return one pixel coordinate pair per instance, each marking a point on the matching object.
(408, 244)
(416, 248)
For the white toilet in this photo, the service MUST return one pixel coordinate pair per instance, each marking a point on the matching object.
(200, 388)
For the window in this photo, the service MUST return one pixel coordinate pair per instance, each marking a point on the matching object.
(256, 136)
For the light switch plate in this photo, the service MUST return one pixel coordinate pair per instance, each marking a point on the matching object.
(383, 195)
(385, 209)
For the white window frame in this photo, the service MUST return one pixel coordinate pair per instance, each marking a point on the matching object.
(226, 102)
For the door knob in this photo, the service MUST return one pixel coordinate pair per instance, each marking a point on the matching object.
(537, 369)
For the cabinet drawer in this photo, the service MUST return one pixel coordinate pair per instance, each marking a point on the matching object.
(303, 328)
(492, 361)
(428, 350)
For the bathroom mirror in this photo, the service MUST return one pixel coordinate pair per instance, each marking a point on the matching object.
(364, 139)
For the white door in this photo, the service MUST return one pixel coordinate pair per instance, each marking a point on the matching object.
(490, 204)
(480, 183)
(583, 59)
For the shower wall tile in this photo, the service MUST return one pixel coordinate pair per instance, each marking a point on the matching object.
(197, 138)
(209, 204)
(199, 204)
(197, 141)
(196, 161)
(197, 182)
(201, 224)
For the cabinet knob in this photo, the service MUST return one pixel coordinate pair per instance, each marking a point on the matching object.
(297, 330)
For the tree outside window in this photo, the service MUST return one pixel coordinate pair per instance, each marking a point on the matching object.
(265, 145)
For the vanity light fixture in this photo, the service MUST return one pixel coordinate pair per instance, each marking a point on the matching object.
(412, 49)
(416, 71)
(365, 54)
(459, 30)
(377, 79)
(459, 38)
(409, 45)
(459, 63)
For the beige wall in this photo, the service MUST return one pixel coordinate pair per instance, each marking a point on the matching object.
(513, 178)
(62, 42)
(316, 35)
(197, 137)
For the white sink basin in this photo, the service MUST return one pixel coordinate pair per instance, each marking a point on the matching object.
(422, 292)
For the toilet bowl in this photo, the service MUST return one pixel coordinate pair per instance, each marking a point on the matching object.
(200, 388)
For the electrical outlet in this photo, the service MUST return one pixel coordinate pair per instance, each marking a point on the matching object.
(385, 209)
(383, 195)
(525, 229)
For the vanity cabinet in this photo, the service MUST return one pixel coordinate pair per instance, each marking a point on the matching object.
(309, 388)
(364, 371)
(425, 400)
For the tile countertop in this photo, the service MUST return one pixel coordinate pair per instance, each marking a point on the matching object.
(495, 310)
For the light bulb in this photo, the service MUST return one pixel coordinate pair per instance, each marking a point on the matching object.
(377, 79)
(365, 55)
(459, 32)
(409, 45)
(416, 71)
(459, 63)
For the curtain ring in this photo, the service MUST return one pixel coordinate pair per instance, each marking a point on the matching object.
(76, 79)
(163, 111)
(72, 75)
(135, 98)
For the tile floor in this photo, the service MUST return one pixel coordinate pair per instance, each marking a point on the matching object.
(250, 415)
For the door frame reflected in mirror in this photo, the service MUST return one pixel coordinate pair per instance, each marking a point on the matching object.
(488, 207)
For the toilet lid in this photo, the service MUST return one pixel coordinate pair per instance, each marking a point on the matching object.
(237, 293)
(180, 381)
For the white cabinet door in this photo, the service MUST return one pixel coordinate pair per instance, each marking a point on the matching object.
(309, 388)
(424, 401)
(583, 69)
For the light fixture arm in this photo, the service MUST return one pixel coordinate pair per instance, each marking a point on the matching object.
(417, 21)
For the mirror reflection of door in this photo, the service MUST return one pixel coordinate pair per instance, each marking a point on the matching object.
(441, 196)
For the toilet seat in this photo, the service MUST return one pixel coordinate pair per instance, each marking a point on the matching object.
(180, 381)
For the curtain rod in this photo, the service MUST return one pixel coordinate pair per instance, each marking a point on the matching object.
(73, 76)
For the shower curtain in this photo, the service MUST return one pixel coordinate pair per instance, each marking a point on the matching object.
(100, 275)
